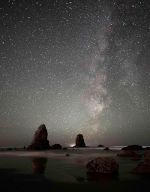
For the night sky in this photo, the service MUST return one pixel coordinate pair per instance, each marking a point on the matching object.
(78, 66)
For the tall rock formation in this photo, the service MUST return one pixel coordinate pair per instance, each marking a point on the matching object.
(80, 141)
(40, 141)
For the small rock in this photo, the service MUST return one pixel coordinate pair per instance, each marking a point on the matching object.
(124, 153)
(67, 154)
(106, 149)
(56, 146)
(133, 148)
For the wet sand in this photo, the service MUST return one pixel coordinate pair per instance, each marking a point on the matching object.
(54, 171)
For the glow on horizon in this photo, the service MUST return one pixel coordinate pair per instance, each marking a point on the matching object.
(72, 145)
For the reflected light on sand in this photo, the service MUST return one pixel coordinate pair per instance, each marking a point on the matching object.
(39, 165)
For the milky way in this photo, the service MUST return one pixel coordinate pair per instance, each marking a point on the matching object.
(77, 66)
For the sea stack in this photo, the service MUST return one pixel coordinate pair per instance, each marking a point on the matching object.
(40, 141)
(80, 141)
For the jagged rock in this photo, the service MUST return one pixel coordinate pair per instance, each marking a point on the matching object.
(102, 165)
(80, 141)
(133, 148)
(56, 146)
(40, 141)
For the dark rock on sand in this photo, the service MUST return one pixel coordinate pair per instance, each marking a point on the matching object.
(147, 148)
(136, 158)
(106, 149)
(143, 168)
(129, 153)
(100, 146)
(102, 166)
(40, 141)
(67, 154)
(56, 146)
(80, 141)
(133, 148)
(147, 155)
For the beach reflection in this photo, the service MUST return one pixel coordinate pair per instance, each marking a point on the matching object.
(39, 165)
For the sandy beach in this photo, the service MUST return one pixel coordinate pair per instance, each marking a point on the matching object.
(65, 170)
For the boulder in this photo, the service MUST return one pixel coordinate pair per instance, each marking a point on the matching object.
(147, 155)
(67, 155)
(143, 168)
(40, 141)
(136, 157)
(106, 149)
(80, 141)
(102, 165)
(56, 146)
(133, 148)
(125, 153)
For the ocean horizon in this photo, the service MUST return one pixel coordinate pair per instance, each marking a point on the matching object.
(113, 147)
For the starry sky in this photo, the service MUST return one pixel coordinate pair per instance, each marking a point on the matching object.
(78, 66)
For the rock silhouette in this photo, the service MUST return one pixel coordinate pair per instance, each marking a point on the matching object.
(127, 153)
(56, 146)
(102, 166)
(80, 141)
(106, 149)
(100, 146)
(147, 155)
(133, 147)
(40, 141)
(143, 168)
